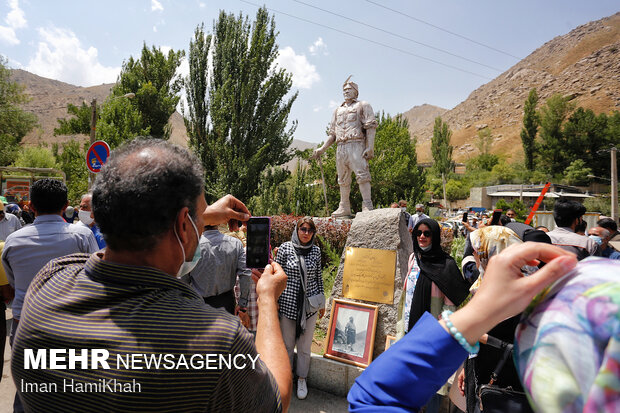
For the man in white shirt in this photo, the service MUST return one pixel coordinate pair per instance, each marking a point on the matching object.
(8, 223)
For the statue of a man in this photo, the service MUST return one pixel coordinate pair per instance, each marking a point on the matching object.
(353, 128)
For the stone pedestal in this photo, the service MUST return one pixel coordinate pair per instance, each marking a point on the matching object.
(379, 229)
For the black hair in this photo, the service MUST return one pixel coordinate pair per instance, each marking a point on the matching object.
(48, 196)
(608, 224)
(504, 220)
(157, 179)
(581, 227)
(566, 211)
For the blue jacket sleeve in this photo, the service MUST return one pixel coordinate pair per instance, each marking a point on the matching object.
(404, 377)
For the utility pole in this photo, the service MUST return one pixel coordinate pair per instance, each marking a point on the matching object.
(93, 128)
(614, 185)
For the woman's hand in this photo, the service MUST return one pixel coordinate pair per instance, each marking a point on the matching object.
(505, 292)
(321, 312)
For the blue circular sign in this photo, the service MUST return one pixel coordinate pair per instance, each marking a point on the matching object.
(97, 155)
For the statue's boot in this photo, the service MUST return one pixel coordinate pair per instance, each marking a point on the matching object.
(344, 208)
(366, 199)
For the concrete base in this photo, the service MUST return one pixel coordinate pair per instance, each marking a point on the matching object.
(332, 376)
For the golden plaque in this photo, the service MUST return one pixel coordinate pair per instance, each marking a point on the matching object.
(369, 275)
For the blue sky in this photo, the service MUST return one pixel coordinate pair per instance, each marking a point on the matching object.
(84, 43)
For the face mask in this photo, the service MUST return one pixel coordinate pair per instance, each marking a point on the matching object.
(419, 213)
(85, 217)
(596, 239)
(403, 209)
(427, 248)
(188, 266)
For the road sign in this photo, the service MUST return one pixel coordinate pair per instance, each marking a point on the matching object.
(97, 155)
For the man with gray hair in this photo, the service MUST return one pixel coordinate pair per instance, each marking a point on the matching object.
(128, 300)
(601, 236)
(353, 128)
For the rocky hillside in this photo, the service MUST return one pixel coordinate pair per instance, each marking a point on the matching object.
(583, 64)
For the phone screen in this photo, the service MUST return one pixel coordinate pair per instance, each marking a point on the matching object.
(496, 216)
(258, 240)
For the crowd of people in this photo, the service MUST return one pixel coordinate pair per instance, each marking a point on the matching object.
(165, 280)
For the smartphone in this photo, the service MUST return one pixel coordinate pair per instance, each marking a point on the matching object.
(258, 242)
(496, 216)
(465, 217)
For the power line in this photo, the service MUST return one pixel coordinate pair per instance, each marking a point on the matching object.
(398, 35)
(442, 29)
(369, 40)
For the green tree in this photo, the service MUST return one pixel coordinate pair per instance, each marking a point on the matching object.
(154, 80)
(586, 135)
(71, 160)
(485, 160)
(441, 148)
(530, 129)
(577, 173)
(456, 189)
(15, 123)
(552, 152)
(237, 124)
(35, 157)
(119, 121)
(79, 123)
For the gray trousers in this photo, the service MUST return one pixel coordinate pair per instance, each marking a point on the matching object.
(303, 343)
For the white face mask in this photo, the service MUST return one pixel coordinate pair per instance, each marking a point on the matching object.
(404, 209)
(188, 266)
(85, 217)
(427, 248)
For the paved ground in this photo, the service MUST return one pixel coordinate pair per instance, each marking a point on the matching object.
(319, 402)
(316, 402)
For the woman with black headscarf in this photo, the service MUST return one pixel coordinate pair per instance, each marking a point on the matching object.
(303, 299)
(434, 283)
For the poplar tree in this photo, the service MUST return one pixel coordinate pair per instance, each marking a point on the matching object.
(441, 148)
(237, 103)
(530, 128)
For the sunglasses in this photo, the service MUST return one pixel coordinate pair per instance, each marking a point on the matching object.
(306, 230)
(426, 233)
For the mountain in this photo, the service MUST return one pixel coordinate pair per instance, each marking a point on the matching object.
(421, 116)
(49, 100)
(583, 65)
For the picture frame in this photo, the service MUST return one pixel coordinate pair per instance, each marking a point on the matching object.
(351, 333)
(389, 340)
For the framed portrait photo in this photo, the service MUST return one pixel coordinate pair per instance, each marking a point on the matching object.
(389, 340)
(351, 334)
